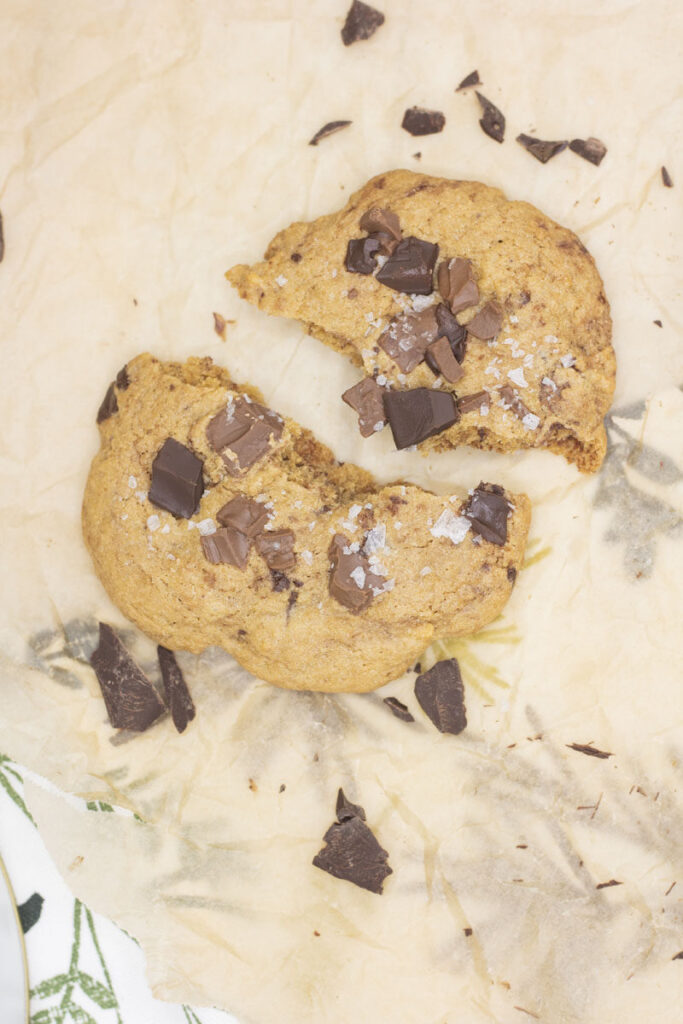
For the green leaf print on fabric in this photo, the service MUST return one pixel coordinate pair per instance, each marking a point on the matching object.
(8, 776)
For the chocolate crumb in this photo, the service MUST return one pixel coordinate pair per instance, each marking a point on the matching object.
(219, 325)
(468, 931)
(178, 696)
(469, 80)
(511, 574)
(129, 697)
(418, 121)
(399, 709)
(282, 788)
(608, 885)
(678, 956)
(440, 694)
(351, 851)
(417, 156)
(590, 149)
(352, 293)
(296, 257)
(122, 379)
(667, 180)
(541, 149)
(586, 748)
(493, 121)
(658, 323)
(279, 580)
(331, 128)
(252, 786)
(362, 21)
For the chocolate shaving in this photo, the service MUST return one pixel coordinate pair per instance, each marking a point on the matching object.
(227, 546)
(541, 149)
(586, 748)
(457, 285)
(468, 80)
(590, 149)
(399, 709)
(243, 514)
(418, 121)
(449, 327)
(177, 483)
(365, 398)
(129, 697)
(277, 549)
(493, 121)
(418, 414)
(410, 268)
(351, 582)
(474, 402)
(407, 337)
(331, 128)
(487, 322)
(608, 885)
(177, 694)
(381, 221)
(362, 21)
(487, 509)
(351, 851)
(361, 254)
(242, 433)
(440, 359)
(440, 694)
(667, 181)
(2, 239)
(109, 404)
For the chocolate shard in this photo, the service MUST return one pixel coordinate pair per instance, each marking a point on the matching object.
(242, 433)
(487, 322)
(418, 121)
(351, 582)
(488, 509)
(362, 21)
(474, 402)
(276, 547)
(456, 284)
(177, 694)
(399, 709)
(379, 219)
(667, 180)
(590, 149)
(109, 404)
(346, 810)
(449, 327)
(361, 254)
(441, 695)
(441, 361)
(129, 697)
(177, 482)
(243, 514)
(331, 128)
(227, 546)
(469, 80)
(493, 121)
(410, 268)
(541, 149)
(2, 239)
(122, 379)
(365, 398)
(407, 337)
(608, 885)
(418, 414)
(351, 851)
(591, 751)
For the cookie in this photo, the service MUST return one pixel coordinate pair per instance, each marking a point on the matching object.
(212, 520)
(411, 260)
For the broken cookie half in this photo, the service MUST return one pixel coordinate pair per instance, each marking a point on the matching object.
(447, 286)
(213, 520)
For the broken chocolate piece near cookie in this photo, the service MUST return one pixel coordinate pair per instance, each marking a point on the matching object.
(331, 128)
(449, 327)
(351, 582)
(541, 149)
(129, 697)
(177, 482)
(362, 21)
(457, 285)
(441, 361)
(469, 80)
(418, 121)
(590, 149)
(474, 402)
(488, 509)
(486, 324)
(441, 695)
(227, 546)
(361, 254)
(351, 851)
(242, 433)
(492, 120)
(399, 709)
(410, 268)
(178, 696)
(407, 337)
(365, 398)
(418, 414)
(276, 547)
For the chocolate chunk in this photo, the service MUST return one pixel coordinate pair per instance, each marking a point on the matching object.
(667, 180)
(590, 149)
(129, 697)
(362, 21)
(440, 694)
(511, 574)
(487, 509)
(177, 694)
(418, 414)
(227, 546)
(658, 323)
(383, 221)
(279, 580)
(351, 851)
(365, 398)
(277, 548)
(487, 322)
(457, 285)
(351, 582)
(418, 121)
(542, 150)
(122, 379)
(109, 404)
(248, 449)
(608, 885)
(511, 398)
(407, 337)
(468, 80)
(493, 122)
(440, 359)
(449, 327)
(2, 239)
(243, 514)
(473, 403)
(410, 268)
(242, 433)
(586, 748)
(399, 709)
(177, 483)
(331, 128)
(361, 254)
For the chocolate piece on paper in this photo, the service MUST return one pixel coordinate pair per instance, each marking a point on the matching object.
(457, 285)
(361, 254)
(591, 751)
(345, 809)
(590, 149)
(243, 514)
(667, 180)
(441, 695)
(129, 697)
(276, 547)
(109, 404)
(541, 149)
(441, 361)
(399, 709)
(487, 322)
(362, 21)
(474, 402)
(410, 268)
(331, 128)
(450, 328)
(242, 433)
(492, 121)
(418, 414)
(177, 694)
(418, 121)
(381, 221)
(469, 80)
(351, 851)
(227, 546)
(487, 509)
(177, 482)
(351, 581)
(219, 325)
(365, 398)
(407, 337)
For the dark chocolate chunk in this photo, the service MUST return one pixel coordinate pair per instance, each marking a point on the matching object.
(418, 121)
(407, 337)
(351, 581)
(122, 379)
(399, 709)
(129, 697)
(487, 322)
(227, 546)
(542, 150)
(450, 328)
(410, 268)
(590, 149)
(346, 810)
(361, 254)
(365, 398)
(362, 21)
(487, 509)
(276, 547)
(328, 129)
(109, 404)
(177, 483)
(418, 414)
(440, 360)
(243, 514)
(608, 885)
(473, 403)
(440, 694)
(177, 694)
(2, 239)
(469, 80)
(242, 433)
(587, 748)
(493, 121)
(658, 323)
(667, 180)
(351, 851)
(457, 285)
(381, 221)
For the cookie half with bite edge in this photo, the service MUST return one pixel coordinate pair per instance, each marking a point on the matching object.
(411, 260)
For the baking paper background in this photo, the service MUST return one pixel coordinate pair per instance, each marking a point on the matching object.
(146, 147)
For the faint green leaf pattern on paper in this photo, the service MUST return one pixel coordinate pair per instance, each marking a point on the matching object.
(8, 777)
(534, 553)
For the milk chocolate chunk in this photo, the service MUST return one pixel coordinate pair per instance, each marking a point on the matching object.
(351, 851)
(590, 149)
(667, 180)
(469, 80)
(512, 399)
(418, 121)
(399, 709)
(361, 254)
(474, 402)
(449, 327)
(243, 514)
(242, 433)
(365, 398)
(351, 580)
(410, 268)
(418, 414)
(457, 285)
(177, 483)
(492, 121)
(328, 129)
(277, 548)
(441, 361)
(227, 546)
(541, 149)
(109, 404)
(177, 694)
(440, 694)
(248, 449)
(379, 219)
(129, 697)
(407, 337)
(362, 21)
(488, 509)
(487, 322)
